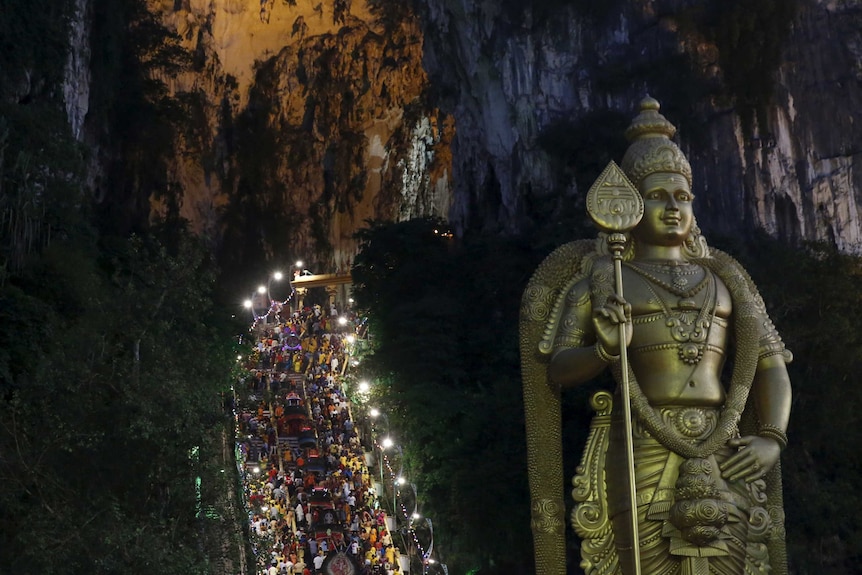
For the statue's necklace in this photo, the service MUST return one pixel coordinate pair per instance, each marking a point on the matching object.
(677, 273)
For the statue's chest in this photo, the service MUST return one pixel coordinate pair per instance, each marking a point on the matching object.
(675, 315)
(681, 292)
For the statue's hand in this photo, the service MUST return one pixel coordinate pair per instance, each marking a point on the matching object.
(607, 320)
(756, 456)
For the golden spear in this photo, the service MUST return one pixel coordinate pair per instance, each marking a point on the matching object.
(616, 207)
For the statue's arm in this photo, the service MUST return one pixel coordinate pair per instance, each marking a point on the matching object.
(757, 454)
(574, 366)
(574, 360)
(772, 393)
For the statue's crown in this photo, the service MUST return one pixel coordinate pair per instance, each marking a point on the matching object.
(651, 148)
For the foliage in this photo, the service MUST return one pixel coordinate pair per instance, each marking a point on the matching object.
(444, 323)
(673, 78)
(391, 13)
(40, 171)
(749, 37)
(109, 377)
(259, 194)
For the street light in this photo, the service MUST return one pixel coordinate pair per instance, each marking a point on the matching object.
(264, 290)
(384, 444)
(364, 387)
(398, 480)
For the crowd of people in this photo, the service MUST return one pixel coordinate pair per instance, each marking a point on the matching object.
(306, 484)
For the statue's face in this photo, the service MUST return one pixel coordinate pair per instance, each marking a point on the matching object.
(668, 214)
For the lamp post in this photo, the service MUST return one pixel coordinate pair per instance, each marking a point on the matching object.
(374, 413)
(399, 481)
(263, 291)
(274, 276)
(295, 271)
(300, 269)
(385, 444)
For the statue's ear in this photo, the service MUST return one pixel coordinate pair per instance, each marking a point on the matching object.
(695, 245)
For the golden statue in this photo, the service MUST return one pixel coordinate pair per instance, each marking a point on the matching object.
(702, 449)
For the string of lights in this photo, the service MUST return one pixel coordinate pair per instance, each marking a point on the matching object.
(407, 516)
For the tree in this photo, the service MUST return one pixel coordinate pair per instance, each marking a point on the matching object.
(443, 316)
(114, 380)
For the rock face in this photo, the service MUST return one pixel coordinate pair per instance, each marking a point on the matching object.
(309, 118)
(76, 77)
(304, 118)
(766, 99)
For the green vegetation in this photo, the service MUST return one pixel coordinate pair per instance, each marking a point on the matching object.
(445, 350)
(818, 309)
(111, 361)
(673, 78)
(260, 198)
(110, 374)
(111, 367)
(750, 38)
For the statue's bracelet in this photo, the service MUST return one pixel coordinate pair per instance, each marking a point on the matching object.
(603, 354)
(773, 432)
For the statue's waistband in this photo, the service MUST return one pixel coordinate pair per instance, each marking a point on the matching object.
(695, 423)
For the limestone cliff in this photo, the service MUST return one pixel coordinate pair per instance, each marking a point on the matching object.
(303, 118)
(765, 94)
(306, 118)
